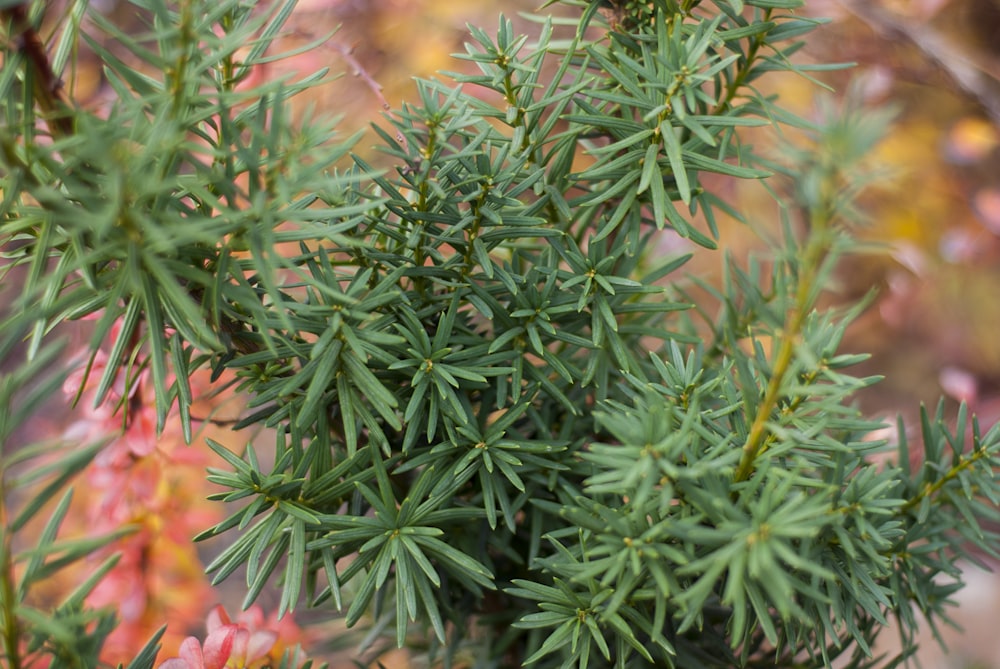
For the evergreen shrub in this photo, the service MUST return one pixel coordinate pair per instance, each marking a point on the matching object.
(508, 428)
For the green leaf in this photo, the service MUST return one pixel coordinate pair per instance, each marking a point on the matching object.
(156, 337)
(294, 569)
(672, 148)
(146, 657)
(68, 467)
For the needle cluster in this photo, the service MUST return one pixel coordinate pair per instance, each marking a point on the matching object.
(503, 429)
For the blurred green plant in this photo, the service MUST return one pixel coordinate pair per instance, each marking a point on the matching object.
(66, 632)
(500, 431)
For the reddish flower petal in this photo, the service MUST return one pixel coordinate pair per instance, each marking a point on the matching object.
(261, 642)
(217, 617)
(190, 651)
(252, 618)
(959, 383)
(241, 641)
(248, 639)
(71, 386)
(219, 646)
(141, 436)
(174, 663)
(190, 658)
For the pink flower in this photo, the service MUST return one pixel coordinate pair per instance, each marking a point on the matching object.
(229, 645)
(138, 438)
(137, 441)
(124, 587)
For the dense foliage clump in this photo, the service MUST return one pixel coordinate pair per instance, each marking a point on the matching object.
(503, 428)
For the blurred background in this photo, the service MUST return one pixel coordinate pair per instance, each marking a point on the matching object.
(934, 219)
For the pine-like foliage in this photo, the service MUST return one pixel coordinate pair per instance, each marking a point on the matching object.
(504, 429)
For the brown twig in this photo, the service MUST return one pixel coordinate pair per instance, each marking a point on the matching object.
(48, 88)
(974, 73)
(347, 53)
